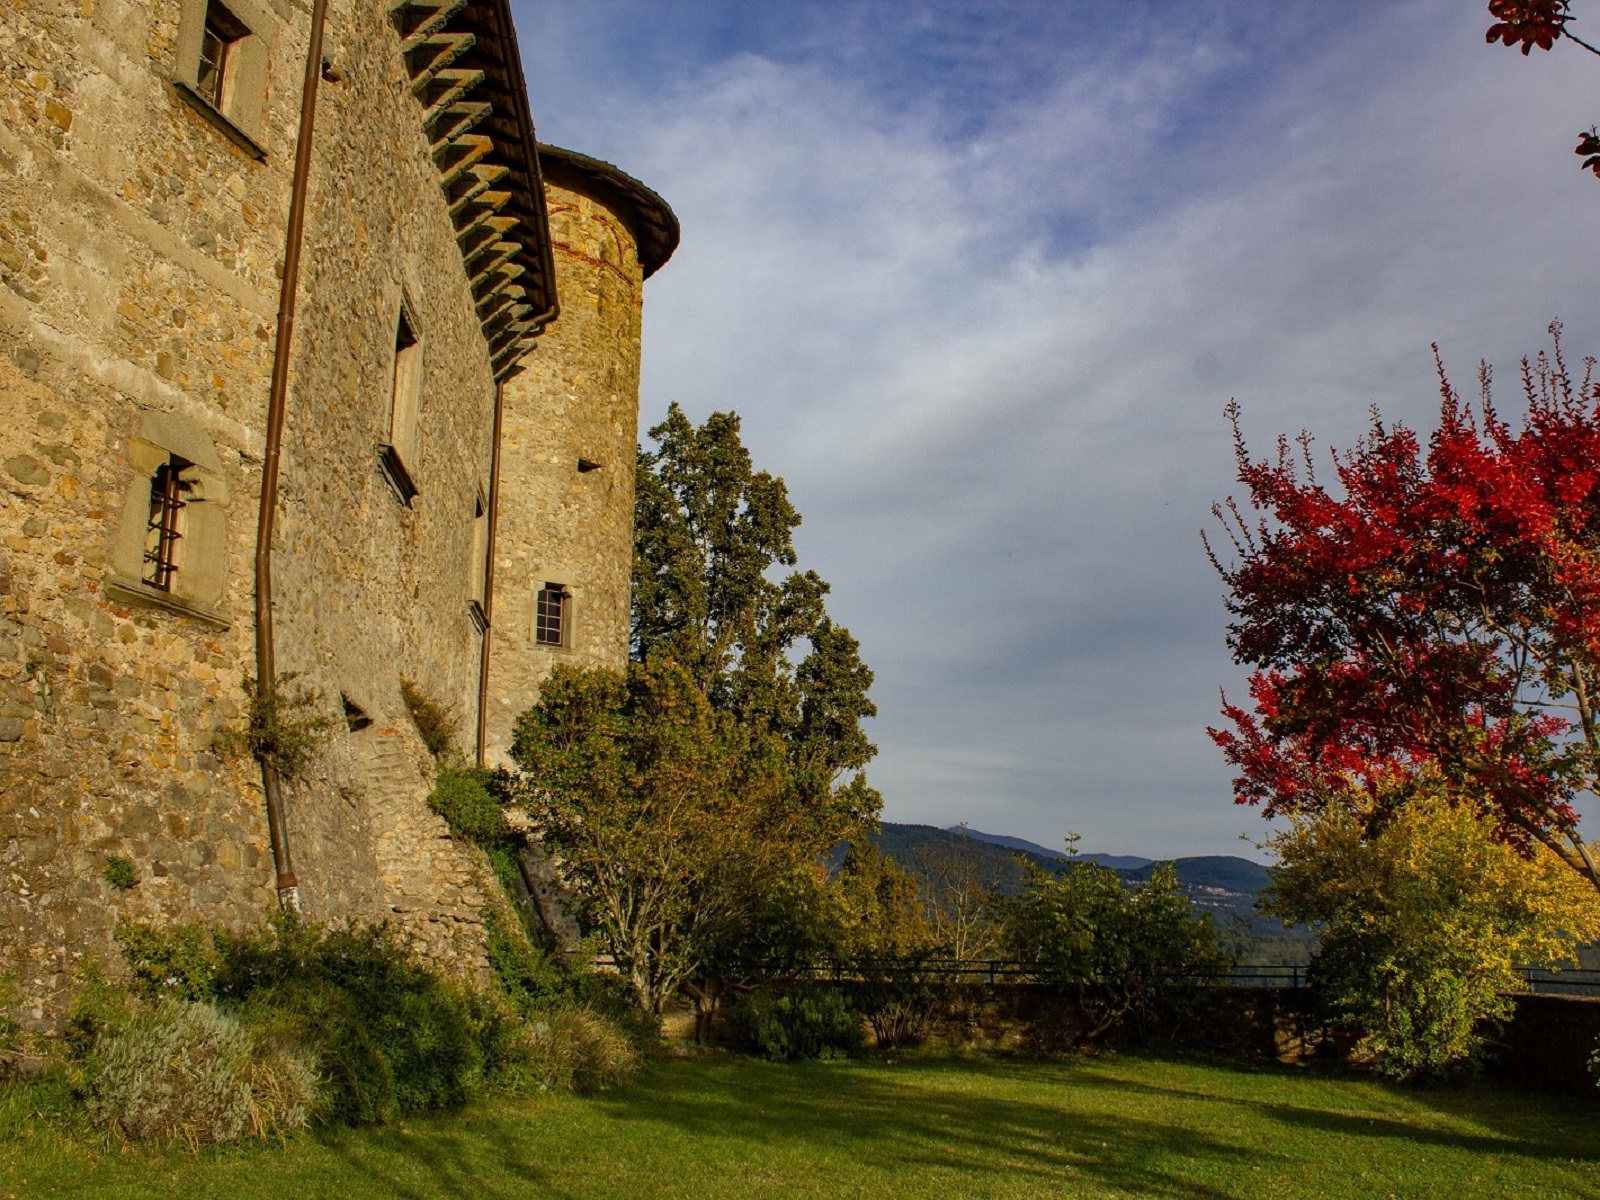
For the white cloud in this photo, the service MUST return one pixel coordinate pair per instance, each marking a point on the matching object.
(991, 366)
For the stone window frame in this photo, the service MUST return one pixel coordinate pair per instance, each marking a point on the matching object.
(544, 580)
(237, 106)
(196, 587)
(398, 455)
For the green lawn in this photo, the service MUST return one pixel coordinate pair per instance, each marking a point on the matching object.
(727, 1126)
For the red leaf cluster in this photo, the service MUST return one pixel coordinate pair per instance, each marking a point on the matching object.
(1589, 143)
(1439, 609)
(1529, 23)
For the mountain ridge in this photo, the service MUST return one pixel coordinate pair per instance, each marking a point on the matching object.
(1119, 861)
(1224, 885)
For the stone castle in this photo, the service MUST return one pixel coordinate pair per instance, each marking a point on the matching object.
(313, 362)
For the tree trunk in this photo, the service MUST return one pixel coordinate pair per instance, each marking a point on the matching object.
(707, 994)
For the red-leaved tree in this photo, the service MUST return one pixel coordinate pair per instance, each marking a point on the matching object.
(1542, 23)
(1436, 611)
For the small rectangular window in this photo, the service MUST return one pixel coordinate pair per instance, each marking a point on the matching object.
(405, 403)
(550, 617)
(214, 76)
(164, 531)
(480, 560)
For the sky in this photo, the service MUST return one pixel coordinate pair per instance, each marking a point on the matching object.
(979, 278)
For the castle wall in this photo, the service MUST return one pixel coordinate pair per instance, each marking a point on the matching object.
(577, 398)
(139, 250)
(370, 589)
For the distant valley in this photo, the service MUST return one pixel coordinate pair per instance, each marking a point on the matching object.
(1224, 885)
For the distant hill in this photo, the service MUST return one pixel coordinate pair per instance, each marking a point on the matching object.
(1214, 874)
(1224, 885)
(912, 845)
(1120, 861)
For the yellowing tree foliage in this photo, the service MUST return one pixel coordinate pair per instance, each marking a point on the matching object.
(1425, 916)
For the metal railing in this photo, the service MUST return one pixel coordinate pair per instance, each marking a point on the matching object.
(1568, 982)
(1571, 982)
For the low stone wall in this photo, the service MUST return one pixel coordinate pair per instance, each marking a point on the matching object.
(1270, 1023)
(1260, 1023)
(1545, 1045)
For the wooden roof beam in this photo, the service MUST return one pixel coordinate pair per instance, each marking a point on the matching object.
(417, 19)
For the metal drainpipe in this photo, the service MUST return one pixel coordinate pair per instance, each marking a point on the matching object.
(488, 575)
(277, 402)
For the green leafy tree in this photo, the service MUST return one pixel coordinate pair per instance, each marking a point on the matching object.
(1424, 916)
(962, 882)
(690, 801)
(1129, 954)
(665, 815)
(883, 937)
(716, 590)
(879, 907)
(713, 537)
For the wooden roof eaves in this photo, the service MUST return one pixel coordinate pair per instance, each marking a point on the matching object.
(485, 72)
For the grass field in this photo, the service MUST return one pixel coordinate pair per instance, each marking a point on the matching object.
(733, 1127)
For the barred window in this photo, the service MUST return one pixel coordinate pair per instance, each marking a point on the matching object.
(213, 74)
(550, 615)
(164, 531)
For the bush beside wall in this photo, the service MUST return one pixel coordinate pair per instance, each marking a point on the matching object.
(187, 1072)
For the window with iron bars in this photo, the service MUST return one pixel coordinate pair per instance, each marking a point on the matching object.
(550, 615)
(164, 531)
(214, 76)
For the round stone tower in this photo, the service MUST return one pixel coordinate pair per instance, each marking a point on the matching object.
(564, 541)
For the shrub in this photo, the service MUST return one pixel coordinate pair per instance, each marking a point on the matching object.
(898, 1011)
(102, 1007)
(185, 1071)
(1423, 919)
(177, 961)
(1130, 955)
(611, 996)
(283, 728)
(394, 1037)
(529, 979)
(461, 796)
(435, 723)
(119, 874)
(801, 1025)
(571, 1048)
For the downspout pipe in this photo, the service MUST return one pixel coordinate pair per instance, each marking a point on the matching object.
(277, 402)
(488, 576)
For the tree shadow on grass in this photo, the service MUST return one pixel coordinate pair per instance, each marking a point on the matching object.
(1518, 1122)
(468, 1156)
(907, 1122)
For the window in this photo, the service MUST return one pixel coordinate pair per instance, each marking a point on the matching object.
(552, 615)
(223, 55)
(164, 531)
(172, 546)
(215, 77)
(480, 562)
(399, 456)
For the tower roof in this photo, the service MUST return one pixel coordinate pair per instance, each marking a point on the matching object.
(654, 224)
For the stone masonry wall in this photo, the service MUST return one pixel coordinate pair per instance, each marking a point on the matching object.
(371, 590)
(139, 252)
(578, 398)
(137, 257)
